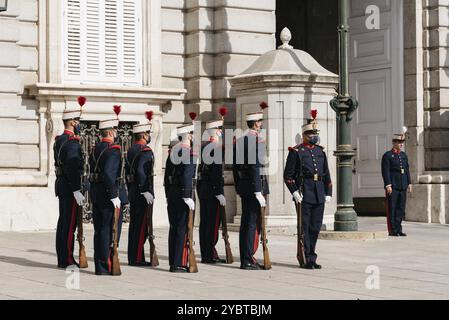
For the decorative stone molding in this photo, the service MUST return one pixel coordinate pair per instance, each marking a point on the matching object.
(157, 96)
(286, 37)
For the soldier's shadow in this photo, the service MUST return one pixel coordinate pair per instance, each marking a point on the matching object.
(26, 262)
(54, 255)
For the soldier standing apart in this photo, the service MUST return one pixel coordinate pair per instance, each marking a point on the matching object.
(107, 196)
(252, 186)
(211, 192)
(308, 178)
(396, 176)
(179, 175)
(139, 169)
(69, 169)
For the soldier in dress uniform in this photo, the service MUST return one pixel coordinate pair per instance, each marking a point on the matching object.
(139, 170)
(308, 178)
(252, 186)
(211, 192)
(179, 175)
(107, 194)
(69, 169)
(396, 176)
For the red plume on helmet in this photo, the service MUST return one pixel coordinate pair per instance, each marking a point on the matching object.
(117, 110)
(263, 105)
(82, 101)
(149, 115)
(223, 111)
(314, 114)
(193, 115)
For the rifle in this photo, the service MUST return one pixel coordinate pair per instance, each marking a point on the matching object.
(266, 255)
(264, 240)
(153, 255)
(223, 217)
(80, 237)
(79, 217)
(193, 267)
(224, 227)
(300, 255)
(115, 260)
(117, 211)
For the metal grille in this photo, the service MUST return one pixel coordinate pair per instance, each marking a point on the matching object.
(90, 136)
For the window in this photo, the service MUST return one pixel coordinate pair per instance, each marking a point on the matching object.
(102, 41)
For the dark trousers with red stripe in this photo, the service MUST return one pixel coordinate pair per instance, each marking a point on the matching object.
(138, 231)
(178, 215)
(249, 229)
(65, 231)
(312, 221)
(103, 218)
(396, 203)
(209, 225)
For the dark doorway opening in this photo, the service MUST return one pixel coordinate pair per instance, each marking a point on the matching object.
(313, 24)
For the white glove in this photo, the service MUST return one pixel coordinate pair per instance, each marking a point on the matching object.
(297, 196)
(116, 202)
(190, 203)
(261, 199)
(79, 198)
(149, 197)
(221, 198)
(328, 199)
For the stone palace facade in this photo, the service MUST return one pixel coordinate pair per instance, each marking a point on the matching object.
(179, 56)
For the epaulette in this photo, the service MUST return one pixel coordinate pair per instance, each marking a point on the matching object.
(57, 137)
(115, 146)
(293, 148)
(74, 138)
(320, 146)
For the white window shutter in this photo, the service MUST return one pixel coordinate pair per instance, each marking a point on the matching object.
(92, 33)
(73, 39)
(103, 41)
(112, 24)
(131, 41)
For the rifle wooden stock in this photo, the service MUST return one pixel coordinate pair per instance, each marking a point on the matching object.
(300, 255)
(80, 237)
(193, 267)
(153, 255)
(115, 260)
(224, 228)
(266, 254)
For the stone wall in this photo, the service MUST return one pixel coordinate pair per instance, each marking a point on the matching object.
(426, 107)
(19, 133)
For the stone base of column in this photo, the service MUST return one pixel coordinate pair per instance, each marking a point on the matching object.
(275, 224)
(428, 203)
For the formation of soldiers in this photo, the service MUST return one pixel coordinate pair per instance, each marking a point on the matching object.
(306, 175)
